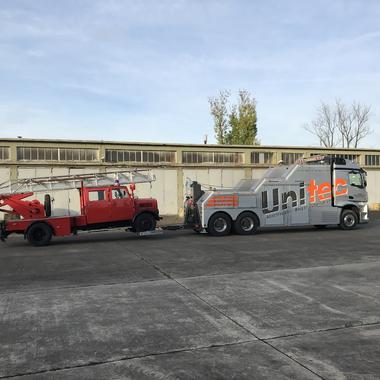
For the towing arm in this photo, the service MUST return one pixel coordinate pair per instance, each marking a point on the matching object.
(27, 209)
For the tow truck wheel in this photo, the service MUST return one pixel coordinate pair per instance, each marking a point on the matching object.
(246, 224)
(144, 222)
(39, 234)
(219, 224)
(348, 220)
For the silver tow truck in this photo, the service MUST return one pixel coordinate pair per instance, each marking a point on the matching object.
(318, 191)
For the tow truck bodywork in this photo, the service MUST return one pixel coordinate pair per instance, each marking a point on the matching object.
(319, 191)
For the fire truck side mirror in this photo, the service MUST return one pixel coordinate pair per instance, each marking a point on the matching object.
(132, 186)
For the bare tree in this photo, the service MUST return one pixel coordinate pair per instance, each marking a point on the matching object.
(361, 129)
(325, 126)
(341, 124)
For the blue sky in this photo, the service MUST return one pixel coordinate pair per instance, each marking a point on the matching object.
(143, 70)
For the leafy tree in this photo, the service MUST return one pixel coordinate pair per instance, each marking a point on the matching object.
(236, 124)
(218, 109)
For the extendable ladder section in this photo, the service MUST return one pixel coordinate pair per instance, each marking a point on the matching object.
(75, 181)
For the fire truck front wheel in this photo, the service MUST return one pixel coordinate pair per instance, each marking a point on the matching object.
(246, 224)
(39, 234)
(348, 219)
(220, 224)
(144, 222)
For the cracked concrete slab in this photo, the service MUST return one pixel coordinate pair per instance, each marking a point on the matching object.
(70, 327)
(279, 303)
(352, 353)
(254, 360)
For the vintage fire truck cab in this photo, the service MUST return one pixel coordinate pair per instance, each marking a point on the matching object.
(114, 204)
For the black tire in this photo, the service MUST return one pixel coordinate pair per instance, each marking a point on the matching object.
(144, 222)
(39, 234)
(219, 224)
(47, 205)
(246, 224)
(348, 220)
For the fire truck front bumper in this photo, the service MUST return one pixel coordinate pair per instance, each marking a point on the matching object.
(3, 231)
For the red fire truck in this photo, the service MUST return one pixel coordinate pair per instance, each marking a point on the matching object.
(106, 201)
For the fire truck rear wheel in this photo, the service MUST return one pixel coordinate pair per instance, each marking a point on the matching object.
(39, 234)
(348, 219)
(144, 222)
(246, 224)
(220, 224)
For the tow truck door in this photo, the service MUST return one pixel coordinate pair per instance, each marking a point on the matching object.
(354, 190)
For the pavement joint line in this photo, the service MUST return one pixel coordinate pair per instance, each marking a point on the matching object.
(302, 333)
(248, 330)
(278, 270)
(228, 317)
(126, 358)
(167, 276)
(44, 290)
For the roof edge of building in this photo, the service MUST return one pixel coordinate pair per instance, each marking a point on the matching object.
(178, 145)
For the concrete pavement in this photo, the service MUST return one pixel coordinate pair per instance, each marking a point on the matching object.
(287, 304)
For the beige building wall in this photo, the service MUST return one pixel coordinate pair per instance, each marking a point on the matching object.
(173, 176)
(373, 188)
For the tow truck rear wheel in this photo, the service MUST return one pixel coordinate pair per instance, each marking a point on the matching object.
(39, 234)
(144, 222)
(348, 220)
(220, 224)
(246, 224)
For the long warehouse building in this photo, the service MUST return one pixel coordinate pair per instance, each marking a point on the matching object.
(173, 164)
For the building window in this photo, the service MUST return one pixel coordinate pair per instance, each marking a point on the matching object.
(139, 157)
(351, 157)
(261, 158)
(4, 153)
(56, 154)
(212, 158)
(75, 154)
(290, 158)
(372, 160)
